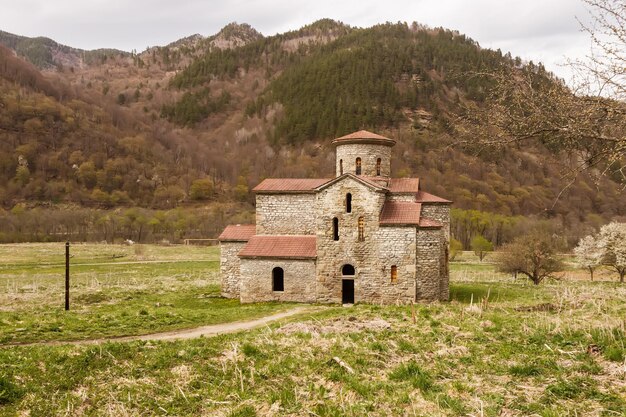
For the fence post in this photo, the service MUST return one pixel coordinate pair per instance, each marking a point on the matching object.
(67, 276)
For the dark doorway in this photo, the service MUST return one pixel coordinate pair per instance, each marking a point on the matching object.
(347, 291)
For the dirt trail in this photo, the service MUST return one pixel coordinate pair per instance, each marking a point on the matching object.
(203, 331)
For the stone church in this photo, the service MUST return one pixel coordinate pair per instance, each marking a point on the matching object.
(361, 236)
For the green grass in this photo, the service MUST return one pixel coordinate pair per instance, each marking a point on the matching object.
(499, 347)
(115, 291)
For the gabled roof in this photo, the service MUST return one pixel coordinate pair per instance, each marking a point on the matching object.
(287, 185)
(363, 136)
(404, 185)
(424, 197)
(396, 213)
(280, 246)
(237, 233)
(363, 180)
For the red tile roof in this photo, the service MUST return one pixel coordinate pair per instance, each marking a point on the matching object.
(400, 213)
(363, 136)
(238, 233)
(284, 246)
(404, 185)
(285, 185)
(424, 197)
(379, 181)
(429, 223)
(368, 181)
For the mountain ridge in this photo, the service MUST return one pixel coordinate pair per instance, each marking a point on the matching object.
(191, 122)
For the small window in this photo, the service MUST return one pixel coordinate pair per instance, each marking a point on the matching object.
(361, 229)
(335, 229)
(348, 203)
(278, 279)
(358, 166)
(347, 269)
(394, 274)
(341, 167)
(378, 167)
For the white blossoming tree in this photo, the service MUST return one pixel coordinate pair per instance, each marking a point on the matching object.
(588, 254)
(609, 245)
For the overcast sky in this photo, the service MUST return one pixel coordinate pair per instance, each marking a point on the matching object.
(540, 30)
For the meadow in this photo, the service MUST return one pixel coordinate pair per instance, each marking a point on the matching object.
(500, 347)
(115, 291)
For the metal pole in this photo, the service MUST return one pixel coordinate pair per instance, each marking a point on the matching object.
(67, 276)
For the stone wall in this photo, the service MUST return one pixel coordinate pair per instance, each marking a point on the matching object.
(428, 264)
(369, 257)
(285, 214)
(368, 153)
(439, 212)
(396, 246)
(256, 280)
(229, 268)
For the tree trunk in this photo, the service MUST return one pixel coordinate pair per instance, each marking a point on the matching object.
(591, 272)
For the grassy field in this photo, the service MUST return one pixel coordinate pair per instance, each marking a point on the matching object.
(500, 347)
(115, 291)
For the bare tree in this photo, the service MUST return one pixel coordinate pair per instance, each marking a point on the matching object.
(533, 255)
(603, 72)
(526, 105)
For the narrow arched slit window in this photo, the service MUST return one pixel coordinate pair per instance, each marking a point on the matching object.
(348, 270)
(335, 229)
(278, 279)
(341, 167)
(361, 229)
(358, 166)
(348, 203)
(394, 274)
(378, 167)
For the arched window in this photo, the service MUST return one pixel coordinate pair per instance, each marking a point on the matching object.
(358, 166)
(341, 167)
(278, 279)
(347, 269)
(348, 203)
(378, 166)
(361, 229)
(394, 274)
(335, 229)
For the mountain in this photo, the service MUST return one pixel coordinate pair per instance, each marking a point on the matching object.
(47, 54)
(203, 119)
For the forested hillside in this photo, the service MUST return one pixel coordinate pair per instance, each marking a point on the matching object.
(200, 121)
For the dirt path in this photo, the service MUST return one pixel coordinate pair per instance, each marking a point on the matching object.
(203, 331)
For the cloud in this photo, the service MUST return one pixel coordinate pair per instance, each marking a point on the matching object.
(534, 29)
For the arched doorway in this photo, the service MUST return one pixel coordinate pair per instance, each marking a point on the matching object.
(347, 284)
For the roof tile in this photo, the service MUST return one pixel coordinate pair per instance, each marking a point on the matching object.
(404, 185)
(400, 213)
(428, 223)
(290, 184)
(424, 197)
(237, 233)
(365, 137)
(284, 246)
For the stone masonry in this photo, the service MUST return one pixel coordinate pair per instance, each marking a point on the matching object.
(354, 238)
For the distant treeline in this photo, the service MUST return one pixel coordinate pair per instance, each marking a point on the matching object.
(46, 224)
(501, 229)
(138, 224)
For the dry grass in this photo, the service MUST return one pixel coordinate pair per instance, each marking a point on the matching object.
(500, 347)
